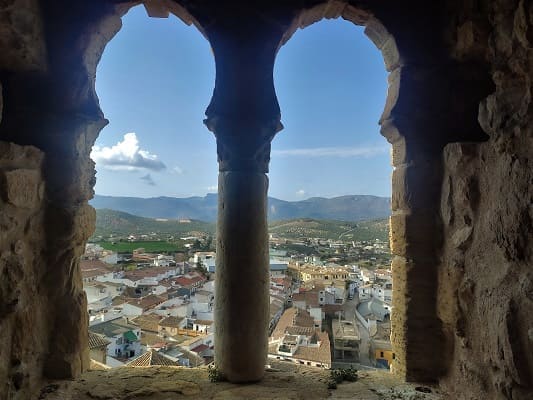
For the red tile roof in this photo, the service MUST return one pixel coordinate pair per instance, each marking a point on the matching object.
(150, 358)
(147, 302)
(200, 348)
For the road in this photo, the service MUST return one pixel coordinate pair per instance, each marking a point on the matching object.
(349, 315)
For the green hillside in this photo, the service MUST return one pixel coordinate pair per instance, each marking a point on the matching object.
(117, 224)
(328, 229)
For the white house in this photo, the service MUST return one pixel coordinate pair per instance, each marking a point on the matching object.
(109, 257)
(124, 337)
(365, 292)
(368, 276)
(164, 261)
(202, 325)
(278, 269)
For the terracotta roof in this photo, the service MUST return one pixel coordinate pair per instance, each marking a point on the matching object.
(198, 349)
(310, 297)
(93, 268)
(194, 359)
(150, 358)
(321, 354)
(97, 341)
(332, 308)
(302, 318)
(203, 322)
(147, 322)
(300, 330)
(189, 281)
(292, 317)
(152, 340)
(171, 322)
(93, 264)
(147, 302)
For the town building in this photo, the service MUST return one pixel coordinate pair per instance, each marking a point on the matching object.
(124, 337)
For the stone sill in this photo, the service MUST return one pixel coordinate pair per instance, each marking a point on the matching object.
(283, 381)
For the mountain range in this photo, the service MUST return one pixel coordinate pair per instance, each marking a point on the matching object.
(343, 208)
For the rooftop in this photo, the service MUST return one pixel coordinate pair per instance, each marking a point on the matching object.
(147, 322)
(345, 330)
(151, 357)
(147, 302)
(114, 327)
(321, 354)
(97, 341)
(171, 322)
(292, 317)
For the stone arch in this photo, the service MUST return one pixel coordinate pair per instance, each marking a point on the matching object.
(415, 224)
(58, 91)
(448, 51)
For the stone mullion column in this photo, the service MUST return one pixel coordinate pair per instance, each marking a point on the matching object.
(69, 221)
(242, 275)
(244, 116)
(415, 227)
(242, 265)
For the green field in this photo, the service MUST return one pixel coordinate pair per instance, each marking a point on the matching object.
(149, 246)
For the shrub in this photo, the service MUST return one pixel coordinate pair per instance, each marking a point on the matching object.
(214, 374)
(340, 375)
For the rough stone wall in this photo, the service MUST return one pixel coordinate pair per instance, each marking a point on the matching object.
(47, 70)
(486, 275)
(23, 309)
(475, 328)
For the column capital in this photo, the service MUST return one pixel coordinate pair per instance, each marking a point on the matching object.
(243, 144)
(244, 113)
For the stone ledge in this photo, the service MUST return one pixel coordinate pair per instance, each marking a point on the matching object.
(282, 381)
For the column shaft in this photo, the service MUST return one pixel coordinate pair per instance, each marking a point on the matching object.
(242, 276)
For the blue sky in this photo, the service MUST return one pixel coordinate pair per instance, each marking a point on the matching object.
(156, 78)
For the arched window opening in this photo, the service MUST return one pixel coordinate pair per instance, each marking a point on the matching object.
(333, 166)
(146, 268)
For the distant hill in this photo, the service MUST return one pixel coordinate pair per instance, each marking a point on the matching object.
(328, 229)
(344, 208)
(120, 223)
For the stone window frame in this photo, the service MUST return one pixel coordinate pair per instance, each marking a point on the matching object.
(413, 121)
(401, 162)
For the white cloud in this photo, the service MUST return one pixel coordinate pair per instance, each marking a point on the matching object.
(178, 170)
(213, 188)
(300, 192)
(332, 152)
(126, 156)
(148, 179)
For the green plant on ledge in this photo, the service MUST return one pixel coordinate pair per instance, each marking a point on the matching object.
(214, 373)
(339, 375)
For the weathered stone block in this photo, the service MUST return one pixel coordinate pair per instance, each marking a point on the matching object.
(355, 15)
(389, 130)
(22, 44)
(393, 93)
(414, 234)
(416, 186)
(22, 188)
(156, 9)
(391, 54)
(376, 32)
(399, 153)
(15, 156)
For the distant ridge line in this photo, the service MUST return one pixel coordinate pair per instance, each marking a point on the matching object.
(342, 208)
